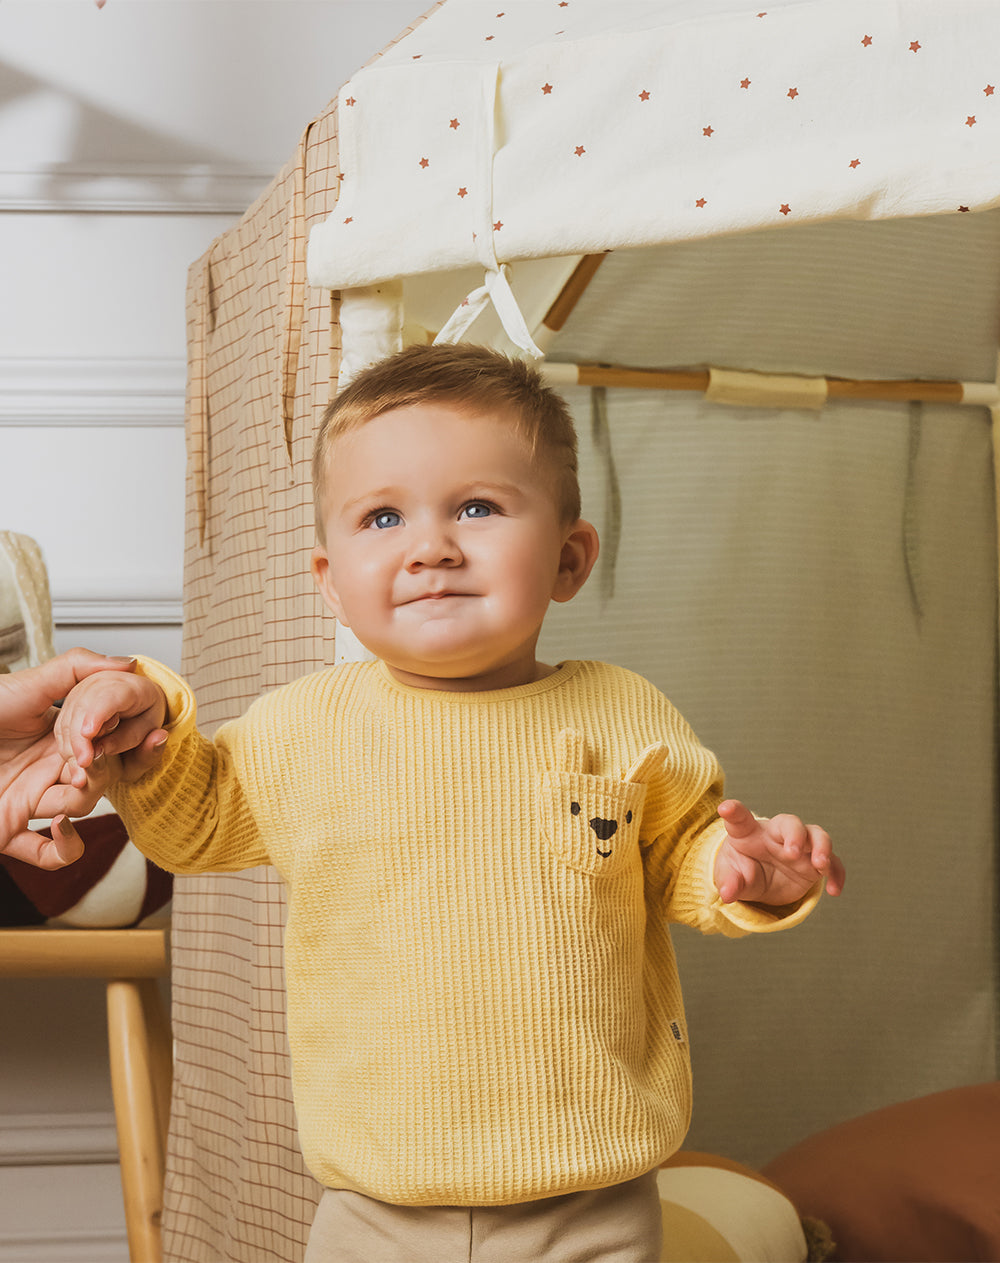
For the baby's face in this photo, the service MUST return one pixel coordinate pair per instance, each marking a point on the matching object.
(443, 546)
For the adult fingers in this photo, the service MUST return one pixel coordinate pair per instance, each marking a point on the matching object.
(74, 793)
(67, 842)
(61, 849)
(145, 757)
(36, 688)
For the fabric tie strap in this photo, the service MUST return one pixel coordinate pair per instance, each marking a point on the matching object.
(496, 289)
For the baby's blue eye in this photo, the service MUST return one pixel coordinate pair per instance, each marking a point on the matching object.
(479, 508)
(385, 518)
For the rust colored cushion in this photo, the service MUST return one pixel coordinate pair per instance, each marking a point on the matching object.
(917, 1182)
(111, 885)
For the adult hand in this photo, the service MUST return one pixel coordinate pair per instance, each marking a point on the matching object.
(34, 779)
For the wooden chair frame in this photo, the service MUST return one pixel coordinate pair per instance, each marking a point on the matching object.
(139, 1047)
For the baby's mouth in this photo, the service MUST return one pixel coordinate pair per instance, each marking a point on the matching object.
(434, 596)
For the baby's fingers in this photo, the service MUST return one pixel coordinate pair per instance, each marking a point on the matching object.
(791, 835)
(824, 860)
(836, 876)
(734, 874)
(809, 844)
(739, 820)
(74, 732)
(108, 712)
(730, 886)
(124, 735)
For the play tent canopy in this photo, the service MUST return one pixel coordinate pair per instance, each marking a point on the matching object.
(760, 250)
(548, 130)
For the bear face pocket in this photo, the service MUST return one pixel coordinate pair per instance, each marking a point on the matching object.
(592, 822)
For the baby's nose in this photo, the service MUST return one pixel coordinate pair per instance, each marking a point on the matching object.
(434, 546)
(604, 828)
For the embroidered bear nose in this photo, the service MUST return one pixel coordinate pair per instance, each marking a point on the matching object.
(604, 828)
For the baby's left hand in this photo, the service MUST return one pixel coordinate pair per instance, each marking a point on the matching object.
(775, 861)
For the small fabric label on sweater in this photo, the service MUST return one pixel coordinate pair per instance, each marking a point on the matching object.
(677, 1032)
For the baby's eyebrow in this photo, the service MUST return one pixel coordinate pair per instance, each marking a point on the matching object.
(479, 489)
(488, 488)
(371, 497)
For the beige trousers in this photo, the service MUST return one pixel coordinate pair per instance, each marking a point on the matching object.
(610, 1225)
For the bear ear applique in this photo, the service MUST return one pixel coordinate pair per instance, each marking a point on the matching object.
(571, 751)
(572, 755)
(590, 822)
(648, 764)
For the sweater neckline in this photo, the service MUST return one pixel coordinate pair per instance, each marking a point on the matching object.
(563, 672)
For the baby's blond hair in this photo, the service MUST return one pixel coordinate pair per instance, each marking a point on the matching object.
(465, 376)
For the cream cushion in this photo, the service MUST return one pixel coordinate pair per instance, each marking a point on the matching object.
(715, 1211)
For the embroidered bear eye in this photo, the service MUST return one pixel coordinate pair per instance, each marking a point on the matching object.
(628, 817)
(575, 808)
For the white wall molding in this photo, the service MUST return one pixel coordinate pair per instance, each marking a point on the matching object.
(117, 612)
(57, 1139)
(70, 390)
(133, 188)
(80, 1245)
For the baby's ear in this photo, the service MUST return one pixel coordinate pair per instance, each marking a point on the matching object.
(320, 567)
(579, 553)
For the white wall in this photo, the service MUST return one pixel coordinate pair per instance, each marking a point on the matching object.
(129, 138)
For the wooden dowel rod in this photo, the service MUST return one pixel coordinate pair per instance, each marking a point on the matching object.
(697, 380)
(572, 291)
(641, 378)
(903, 391)
(48, 952)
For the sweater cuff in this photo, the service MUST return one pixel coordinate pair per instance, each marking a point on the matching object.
(738, 918)
(181, 706)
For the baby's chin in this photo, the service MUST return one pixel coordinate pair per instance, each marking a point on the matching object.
(444, 643)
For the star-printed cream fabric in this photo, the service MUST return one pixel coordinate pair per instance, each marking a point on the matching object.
(553, 127)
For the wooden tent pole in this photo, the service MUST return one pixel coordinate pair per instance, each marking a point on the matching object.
(571, 292)
(953, 392)
(995, 428)
(981, 394)
(641, 378)
(902, 391)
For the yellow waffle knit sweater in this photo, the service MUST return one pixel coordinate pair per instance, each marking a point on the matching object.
(483, 1004)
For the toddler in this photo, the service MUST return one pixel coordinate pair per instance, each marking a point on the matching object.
(482, 852)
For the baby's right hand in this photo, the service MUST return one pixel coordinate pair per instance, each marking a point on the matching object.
(112, 713)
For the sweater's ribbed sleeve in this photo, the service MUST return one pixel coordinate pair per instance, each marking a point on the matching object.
(190, 815)
(696, 901)
(687, 833)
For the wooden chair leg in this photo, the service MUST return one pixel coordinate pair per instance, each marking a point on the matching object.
(136, 1117)
(161, 1054)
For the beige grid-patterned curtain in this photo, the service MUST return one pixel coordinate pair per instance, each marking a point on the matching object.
(263, 352)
